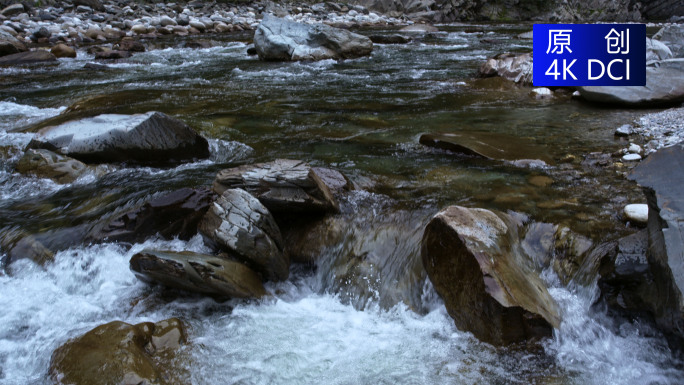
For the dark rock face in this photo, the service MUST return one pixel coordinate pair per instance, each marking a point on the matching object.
(111, 54)
(487, 145)
(390, 39)
(198, 273)
(279, 39)
(664, 86)
(94, 4)
(488, 288)
(240, 225)
(131, 45)
(516, 67)
(120, 353)
(10, 45)
(661, 175)
(150, 138)
(29, 57)
(661, 9)
(286, 185)
(175, 214)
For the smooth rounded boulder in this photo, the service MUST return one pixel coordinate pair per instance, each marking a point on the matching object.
(149, 138)
(488, 288)
(121, 353)
(197, 273)
(240, 225)
(283, 40)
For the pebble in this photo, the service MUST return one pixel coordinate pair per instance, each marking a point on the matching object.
(631, 157)
(634, 148)
(637, 213)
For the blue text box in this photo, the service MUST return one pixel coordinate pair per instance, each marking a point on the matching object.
(589, 55)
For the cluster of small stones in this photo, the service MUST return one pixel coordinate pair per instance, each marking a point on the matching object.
(661, 129)
(72, 24)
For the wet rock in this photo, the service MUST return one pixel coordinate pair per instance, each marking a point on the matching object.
(516, 67)
(30, 57)
(130, 45)
(10, 45)
(631, 158)
(40, 33)
(662, 177)
(488, 289)
(664, 86)
(419, 28)
(25, 246)
(198, 273)
(62, 50)
(279, 39)
(46, 164)
(624, 130)
(251, 51)
(673, 37)
(656, 50)
(637, 213)
(286, 185)
(12, 10)
(390, 39)
(171, 215)
(120, 353)
(111, 54)
(542, 93)
(240, 225)
(305, 241)
(487, 145)
(151, 138)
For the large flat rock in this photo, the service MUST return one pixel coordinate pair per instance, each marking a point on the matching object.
(151, 138)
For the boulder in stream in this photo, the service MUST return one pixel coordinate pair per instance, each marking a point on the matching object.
(286, 185)
(284, 40)
(198, 273)
(120, 353)
(516, 67)
(28, 57)
(149, 138)
(46, 164)
(489, 288)
(240, 225)
(10, 45)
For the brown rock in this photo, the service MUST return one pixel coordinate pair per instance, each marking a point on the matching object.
(30, 57)
(62, 50)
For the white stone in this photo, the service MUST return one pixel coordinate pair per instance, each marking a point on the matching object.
(631, 157)
(637, 213)
(634, 148)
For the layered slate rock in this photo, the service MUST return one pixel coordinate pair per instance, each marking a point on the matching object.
(29, 57)
(120, 353)
(151, 138)
(170, 215)
(286, 185)
(10, 45)
(487, 145)
(240, 225)
(488, 288)
(672, 36)
(198, 273)
(283, 40)
(47, 164)
(516, 67)
(661, 175)
(664, 86)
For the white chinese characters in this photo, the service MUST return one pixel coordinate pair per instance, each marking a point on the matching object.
(559, 40)
(617, 42)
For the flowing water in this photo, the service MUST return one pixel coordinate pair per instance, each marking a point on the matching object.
(365, 314)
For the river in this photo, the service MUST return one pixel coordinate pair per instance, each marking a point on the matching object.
(380, 324)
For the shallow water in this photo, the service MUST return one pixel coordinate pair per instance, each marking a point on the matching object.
(382, 324)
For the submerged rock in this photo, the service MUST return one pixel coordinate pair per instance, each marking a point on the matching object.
(487, 145)
(286, 185)
(198, 273)
(46, 164)
(280, 39)
(240, 225)
(516, 67)
(171, 215)
(662, 177)
(152, 138)
(29, 57)
(664, 86)
(489, 288)
(390, 39)
(120, 353)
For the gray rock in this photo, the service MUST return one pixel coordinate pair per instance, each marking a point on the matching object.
(664, 86)
(84, 9)
(40, 33)
(624, 130)
(279, 39)
(512, 66)
(29, 57)
(46, 164)
(662, 177)
(151, 138)
(240, 225)
(197, 273)
(10, 45)
(12, 10)
(637, 213)
(285, 185)
(93, 4)
(166, 21)
(673, 37)
(656, 50)
(487, 287)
